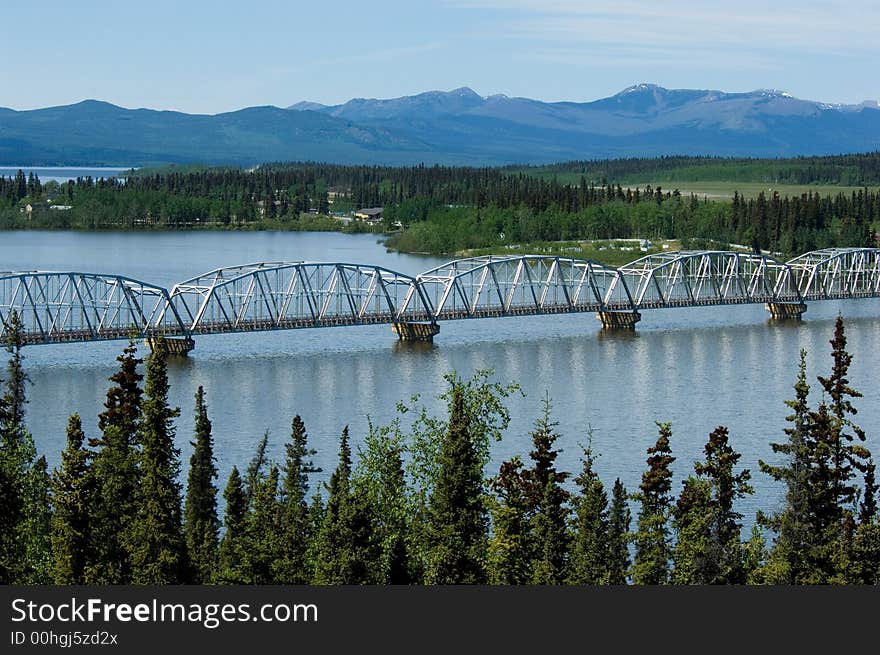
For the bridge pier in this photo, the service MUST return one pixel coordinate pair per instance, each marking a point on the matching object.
(786, 310)
(618, 320)
(415, 331)
(173, 346)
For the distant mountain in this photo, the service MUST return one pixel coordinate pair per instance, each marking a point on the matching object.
(453, 127)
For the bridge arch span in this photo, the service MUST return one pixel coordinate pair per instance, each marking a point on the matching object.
(837, 273)
(57, 307)
(708, 277)
(520, 285)
(287, 295)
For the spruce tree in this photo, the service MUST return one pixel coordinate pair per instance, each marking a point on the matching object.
(693, 557)
(255, 469)
(457, 521)
(157, 542)
(847, 458)
(863, 565)
(293, 567)
(724, 558)
(229, 570)
(115, 476)
(37, 525)
(651, 563)
(200, 523)
(509, 549)
(619, 518)
(755, 557)
(261, 542)
(868, 503)
(17, 459)
(789, 555)
(549, 503)
(71, 518)
(590, 550)
(380, 477)
(346, 552)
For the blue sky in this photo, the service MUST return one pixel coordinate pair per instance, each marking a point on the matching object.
(209, 57)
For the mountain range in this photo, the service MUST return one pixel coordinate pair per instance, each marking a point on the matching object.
(447, 127)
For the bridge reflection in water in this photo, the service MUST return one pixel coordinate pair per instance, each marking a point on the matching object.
(58, 307)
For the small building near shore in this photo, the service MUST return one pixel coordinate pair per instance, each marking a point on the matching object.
(370, 214)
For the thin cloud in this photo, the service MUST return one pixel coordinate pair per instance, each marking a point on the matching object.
(817, 26)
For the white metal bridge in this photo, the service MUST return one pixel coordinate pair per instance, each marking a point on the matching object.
(57, 307)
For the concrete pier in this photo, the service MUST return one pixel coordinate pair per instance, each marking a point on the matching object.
(618, 320)
(415, 331)
(787, 310)
(173, 345)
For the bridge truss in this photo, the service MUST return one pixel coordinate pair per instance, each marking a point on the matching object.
(60, 307)
(69, 306)
(515, 286)
(287, 295)
(687, 279)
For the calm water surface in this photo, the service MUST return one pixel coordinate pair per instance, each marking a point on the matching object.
(697, 368)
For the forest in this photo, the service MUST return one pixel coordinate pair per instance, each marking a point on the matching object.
(446, 210)
(416, 505)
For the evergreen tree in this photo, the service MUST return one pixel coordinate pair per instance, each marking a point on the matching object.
(590, 551)
(380, 477)
(230, 554)
(122, 407)
(846, 457)
(255, 469)
(651, 563)
(509, 549)
(293, 567)
(261, 543)
(17, 460)
(619, 517)
(200, 522)
(115, 476)
(723, 561)
(868, 504)
(158, 546)
(480, 418)
(789, 555)
(863, 563)
(72, 509)
(344, 550)
(693, 555)
(314, 522)
(15, 392)
(549, 503)
(457, 521)
(754, 557)
(37, 525)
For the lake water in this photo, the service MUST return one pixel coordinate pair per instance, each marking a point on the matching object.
(61, 173)
(697, 367)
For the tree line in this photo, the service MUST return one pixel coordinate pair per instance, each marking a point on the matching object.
(415, 506)
(447, 209)
(862, 169)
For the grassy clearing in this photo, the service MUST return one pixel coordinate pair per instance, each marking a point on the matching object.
(712, 189)
(724, 190)
(614, 252)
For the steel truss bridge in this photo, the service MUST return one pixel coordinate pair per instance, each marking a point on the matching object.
(57, 307)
